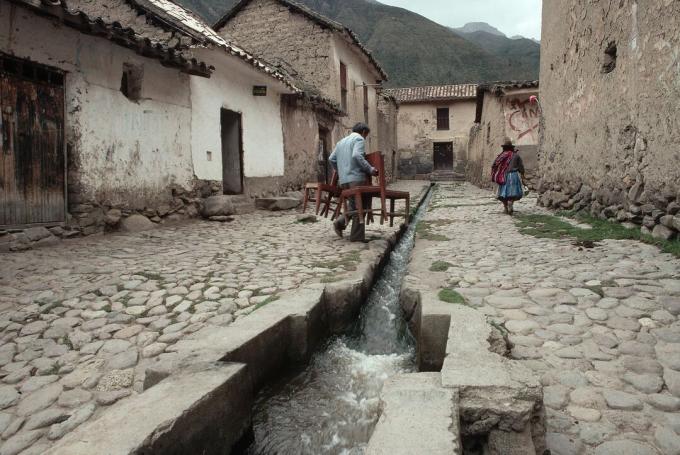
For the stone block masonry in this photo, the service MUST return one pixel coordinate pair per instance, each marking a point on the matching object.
(273, 32)
(598, 327)
(610, 94)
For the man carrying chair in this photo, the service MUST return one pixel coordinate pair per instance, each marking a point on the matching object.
(349, 160)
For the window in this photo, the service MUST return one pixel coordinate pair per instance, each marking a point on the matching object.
(366, 104)
(443, 118)
(131, 81)
(609, 58)
(343, 86)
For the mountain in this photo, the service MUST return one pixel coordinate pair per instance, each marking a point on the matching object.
(521, 56)
(472, 27)
(413, 49)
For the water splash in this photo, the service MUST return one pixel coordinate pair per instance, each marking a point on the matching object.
(332, 406)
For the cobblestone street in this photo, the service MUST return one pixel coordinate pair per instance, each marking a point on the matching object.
(599, 326)
(82, 321)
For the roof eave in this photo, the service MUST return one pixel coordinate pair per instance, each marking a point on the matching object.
(124, 37)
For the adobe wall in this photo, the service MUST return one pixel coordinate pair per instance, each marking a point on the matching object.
(271, 31)
(359, 72)
(611, 138)
(511, 115)
(301, 121)
(387, 136)
(417, 132)
(129, 156)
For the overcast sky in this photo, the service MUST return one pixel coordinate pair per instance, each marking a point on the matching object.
(512, 17)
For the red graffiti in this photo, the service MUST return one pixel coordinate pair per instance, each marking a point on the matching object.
(523, 116)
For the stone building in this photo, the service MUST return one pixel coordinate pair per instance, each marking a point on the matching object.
(611, 98)
(503, 111)
(433, 128)
(98, 104)
(340, 77)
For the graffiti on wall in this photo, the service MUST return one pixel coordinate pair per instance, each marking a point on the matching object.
(522, 119)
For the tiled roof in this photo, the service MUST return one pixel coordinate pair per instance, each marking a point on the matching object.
(157, 29)
(500, 87)
(433, 93)
(317, 18)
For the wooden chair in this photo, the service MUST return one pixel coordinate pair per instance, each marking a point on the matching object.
(377, 160)
(323, 194)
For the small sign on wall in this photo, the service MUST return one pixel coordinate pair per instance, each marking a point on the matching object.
(259, 90)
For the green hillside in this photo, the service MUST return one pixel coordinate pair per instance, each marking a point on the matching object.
(413, 49)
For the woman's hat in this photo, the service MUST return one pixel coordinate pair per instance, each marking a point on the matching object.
(507, 144)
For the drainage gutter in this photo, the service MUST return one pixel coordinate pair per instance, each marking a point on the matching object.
(200, 399)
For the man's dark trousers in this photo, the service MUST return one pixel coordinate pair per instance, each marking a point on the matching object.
(358, 232)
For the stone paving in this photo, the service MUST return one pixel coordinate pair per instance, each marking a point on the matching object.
(81, 321)
(599, 326)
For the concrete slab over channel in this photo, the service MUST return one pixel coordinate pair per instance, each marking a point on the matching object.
(172, 418)
(418, 416)
(499, 400)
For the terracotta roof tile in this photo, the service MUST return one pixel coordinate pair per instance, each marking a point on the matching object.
(433, 93)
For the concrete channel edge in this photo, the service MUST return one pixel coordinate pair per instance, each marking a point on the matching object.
(498, 401)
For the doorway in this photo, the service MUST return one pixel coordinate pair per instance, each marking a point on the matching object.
(323, 169)
(232, 152)
(443, 156)
(32, 152)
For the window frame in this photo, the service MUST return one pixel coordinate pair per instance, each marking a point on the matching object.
(443, 121)
(343, 86)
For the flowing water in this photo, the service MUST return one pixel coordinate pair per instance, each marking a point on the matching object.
(333, 405)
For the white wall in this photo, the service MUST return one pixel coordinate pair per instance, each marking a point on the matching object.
(121, 147)
(231, 87)
(358, 73)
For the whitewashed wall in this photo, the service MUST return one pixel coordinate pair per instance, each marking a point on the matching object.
(231, 87)
(122, 147)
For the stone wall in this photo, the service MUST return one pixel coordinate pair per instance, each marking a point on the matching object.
(417, 131)
(486, 138)
(271, 31)
(504, 114)
(610, 95)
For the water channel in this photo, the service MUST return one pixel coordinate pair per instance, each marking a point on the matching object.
(332, 406)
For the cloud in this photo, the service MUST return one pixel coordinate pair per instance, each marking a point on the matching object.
(516, 17)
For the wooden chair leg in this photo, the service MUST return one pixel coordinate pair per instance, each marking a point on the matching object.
(304, 204)
(345, 208)
(327, 205)
(318, 200)
(338, 208)
(407, 215)
(359, 204)
(391, 212)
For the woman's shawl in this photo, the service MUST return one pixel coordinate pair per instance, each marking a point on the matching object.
(500, 166)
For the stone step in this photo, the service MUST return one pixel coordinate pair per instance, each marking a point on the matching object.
(447, 176)
(418, 416)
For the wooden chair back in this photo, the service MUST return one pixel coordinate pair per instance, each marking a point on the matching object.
(334, 178)
(377, 160)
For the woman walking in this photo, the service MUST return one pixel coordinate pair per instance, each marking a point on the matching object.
(506, 171)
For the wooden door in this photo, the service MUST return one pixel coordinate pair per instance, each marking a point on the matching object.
(324, 169)
(443, 156)
(32, 159)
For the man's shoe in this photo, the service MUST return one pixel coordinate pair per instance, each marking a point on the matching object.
(337, 230)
